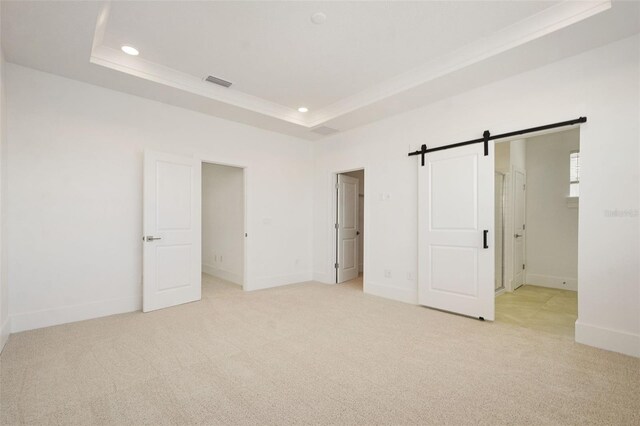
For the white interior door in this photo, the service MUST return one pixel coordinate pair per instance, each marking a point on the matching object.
(499, 230)
(172, 230)
(456, 218)
(519, 227)
(347, 264)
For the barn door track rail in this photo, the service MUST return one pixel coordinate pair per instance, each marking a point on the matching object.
(486, 137)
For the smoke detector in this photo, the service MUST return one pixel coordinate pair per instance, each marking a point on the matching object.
(318, 18)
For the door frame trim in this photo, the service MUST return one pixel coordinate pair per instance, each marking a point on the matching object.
(333, 217)
(246, 282)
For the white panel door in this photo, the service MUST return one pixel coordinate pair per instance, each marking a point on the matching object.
(347, 228)
(519, 227)
(172, 252)
(455, 208)
(499, 230)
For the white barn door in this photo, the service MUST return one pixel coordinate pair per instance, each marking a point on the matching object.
(172, 234)
(455, 219)
(347, 228)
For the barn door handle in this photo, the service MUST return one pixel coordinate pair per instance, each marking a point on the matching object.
(485, 242)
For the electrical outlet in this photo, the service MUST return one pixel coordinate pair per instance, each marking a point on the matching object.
(387, 273)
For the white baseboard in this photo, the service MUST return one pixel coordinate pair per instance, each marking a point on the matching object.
(277, 281)
(67, 314)
(324, 278)
(391, 292)
(222, 274)
(551, 281)
(605, 338)
(5, 330)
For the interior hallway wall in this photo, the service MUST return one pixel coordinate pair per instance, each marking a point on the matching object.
(552, 225)
(5, 325)
(75, 216)
(223, 222)
(359, 174)
(503, 157)
(518, 154)
(601, 84)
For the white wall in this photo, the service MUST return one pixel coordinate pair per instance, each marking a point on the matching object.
(552, 226)
(4, 283)
(518, 154)
(223, 222)
(75, 211)
(503, 157)
(602, 84)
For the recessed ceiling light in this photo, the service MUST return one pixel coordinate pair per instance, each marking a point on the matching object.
(130, 50)
(318, 18)
(303, 109)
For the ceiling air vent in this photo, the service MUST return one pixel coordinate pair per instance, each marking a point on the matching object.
(218, 81)
(324, 130)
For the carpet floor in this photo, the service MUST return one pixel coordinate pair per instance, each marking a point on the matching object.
(309, 354)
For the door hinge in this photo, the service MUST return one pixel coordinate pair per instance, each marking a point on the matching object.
(336, 265)
(523, 266)
(523, 226)
(337, 186)
(337, 226)
(524, 187)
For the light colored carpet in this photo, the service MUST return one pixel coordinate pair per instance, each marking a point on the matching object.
(309, 354)
(539, 308)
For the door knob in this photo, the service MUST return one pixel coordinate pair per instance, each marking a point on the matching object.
(517, 235)
(151, 238)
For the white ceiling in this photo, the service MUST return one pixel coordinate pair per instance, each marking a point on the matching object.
(273, 51)
(368, 60)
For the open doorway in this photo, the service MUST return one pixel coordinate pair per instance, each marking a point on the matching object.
(536, 228)
(349, 228)
(223, 228)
